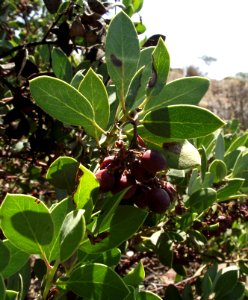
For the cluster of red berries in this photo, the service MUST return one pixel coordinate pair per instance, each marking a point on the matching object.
(137, 170)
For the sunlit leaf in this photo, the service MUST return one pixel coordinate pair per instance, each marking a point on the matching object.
(93, 89)
(189, 90)
(27, 223)
(181, 122)
(65, 103)
(122, 52)
(97, 281)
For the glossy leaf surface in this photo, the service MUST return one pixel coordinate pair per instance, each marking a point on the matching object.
(119, 227)
(97, 281)
(122, 52)
(62, 173)
(201, 200)
(64, 102)
(58, 214)
(17, 260)
(27, 223)
(87, 189)
(181, 122)
(135, 276)
(71, 233)
(189, 90)
(160, 69)
(93, 89)
(61, 65)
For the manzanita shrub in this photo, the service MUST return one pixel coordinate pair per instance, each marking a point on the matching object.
(164, 177)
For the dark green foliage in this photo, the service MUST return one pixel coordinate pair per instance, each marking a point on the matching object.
(134, 163)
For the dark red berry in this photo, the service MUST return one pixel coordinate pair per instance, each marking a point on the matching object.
(158, 200)
(169, 188)
(107, 161)
(153, 161)
(140, 197)
(124, 182)
(140, 173)
(106, 180)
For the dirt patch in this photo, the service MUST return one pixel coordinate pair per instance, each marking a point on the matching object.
(228, 98)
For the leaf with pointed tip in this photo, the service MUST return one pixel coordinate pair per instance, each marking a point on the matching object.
(58, 214)
(189, 90)
(87, 190)
(160, 69)
(145, 64)
(135, 276)
(230, 190)
(122, 52)
(27, 223)
(71, 233)
(131, 99)
(77, 78)
(65, 103)
(93, 89)
(181, 122)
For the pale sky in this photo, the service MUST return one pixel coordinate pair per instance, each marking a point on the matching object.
(194, 28)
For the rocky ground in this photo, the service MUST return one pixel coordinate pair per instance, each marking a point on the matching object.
(228, 98)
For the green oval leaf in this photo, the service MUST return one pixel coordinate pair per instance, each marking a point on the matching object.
(62, 173)
(181, 122)
(125, 221)
(64, 102)
(135, 276)
(93, 89)
(228, 278)
(97, 281)
(240, 169)
(189, 90)
(27, 223)
(181, 155)
(201, 200)
(58, 214)
(164, 249)
(122, 52)
(87, 189)
(218, 169)
(61, 65)
(160, 69)
(110, 258)
(71, 234)
(17, 260)
(229, 190)
(172, 292)
(77, 79)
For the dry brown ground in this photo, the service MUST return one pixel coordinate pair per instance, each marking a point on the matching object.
(228, 98)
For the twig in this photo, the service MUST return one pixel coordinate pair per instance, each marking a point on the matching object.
(28, 45)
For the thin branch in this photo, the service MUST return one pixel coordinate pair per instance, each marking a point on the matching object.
(28, 45)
